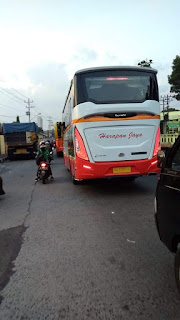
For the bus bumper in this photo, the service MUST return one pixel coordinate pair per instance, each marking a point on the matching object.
(59, 145)
(59, 149)
(87, 170)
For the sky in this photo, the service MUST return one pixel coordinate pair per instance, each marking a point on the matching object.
(44, 42)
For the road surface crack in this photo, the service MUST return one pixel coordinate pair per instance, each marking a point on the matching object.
(29, 205)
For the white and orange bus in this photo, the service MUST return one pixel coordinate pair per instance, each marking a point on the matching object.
(112, 118)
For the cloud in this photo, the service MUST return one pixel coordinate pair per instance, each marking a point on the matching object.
(49, 87)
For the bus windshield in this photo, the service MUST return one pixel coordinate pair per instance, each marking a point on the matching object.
(117, 86)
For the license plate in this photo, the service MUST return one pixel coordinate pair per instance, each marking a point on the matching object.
(122, 170)
(21, 150)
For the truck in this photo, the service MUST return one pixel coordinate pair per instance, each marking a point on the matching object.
(3, 148)
(21, 139)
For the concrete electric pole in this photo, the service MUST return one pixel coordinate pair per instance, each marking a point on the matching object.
(165, 99)
(29, 107)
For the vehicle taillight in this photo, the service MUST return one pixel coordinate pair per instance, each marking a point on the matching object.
(157, 145)
(43, 165)
(79, 146)
(116, 78)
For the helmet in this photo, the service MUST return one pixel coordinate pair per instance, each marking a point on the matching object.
(47, 142)
(42, 146)
(42, 142)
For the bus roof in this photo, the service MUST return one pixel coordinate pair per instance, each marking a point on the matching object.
(135, 68)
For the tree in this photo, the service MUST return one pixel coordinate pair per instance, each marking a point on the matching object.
(145, 63)
(172, 109)
(40, 130)
(17, 119)
(174, 78)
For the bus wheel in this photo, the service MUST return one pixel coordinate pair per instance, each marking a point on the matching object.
(74, 181)
(177, 268)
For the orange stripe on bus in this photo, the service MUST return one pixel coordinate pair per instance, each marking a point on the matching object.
(96, 119)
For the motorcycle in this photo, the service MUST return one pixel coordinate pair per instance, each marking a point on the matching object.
(43, 171)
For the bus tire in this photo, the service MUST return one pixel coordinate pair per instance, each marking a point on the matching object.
(74, 181)
(177, 268)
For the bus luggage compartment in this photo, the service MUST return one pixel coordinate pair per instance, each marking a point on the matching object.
(120, 142)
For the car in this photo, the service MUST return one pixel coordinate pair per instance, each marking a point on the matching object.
(167, 203)
(1, 187)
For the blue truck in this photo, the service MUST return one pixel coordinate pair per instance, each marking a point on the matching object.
(21, 139)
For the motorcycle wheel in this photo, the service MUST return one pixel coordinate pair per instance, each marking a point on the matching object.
(43, 180)
(177, 268)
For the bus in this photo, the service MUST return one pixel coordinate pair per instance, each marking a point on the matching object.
(58, 133)
(112, 123)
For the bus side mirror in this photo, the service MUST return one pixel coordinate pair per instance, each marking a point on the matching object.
(161, 158)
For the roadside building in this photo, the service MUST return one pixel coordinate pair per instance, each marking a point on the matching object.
(40, 122)
(172, 122)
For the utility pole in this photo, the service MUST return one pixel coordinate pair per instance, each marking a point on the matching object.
(29, 107)
(165, 100)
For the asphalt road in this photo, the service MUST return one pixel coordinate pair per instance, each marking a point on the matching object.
(89, 251)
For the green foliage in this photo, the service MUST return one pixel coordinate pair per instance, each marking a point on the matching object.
(174, 78)
(172, 109)
(145, 63)
(40, 130)
(17, 120)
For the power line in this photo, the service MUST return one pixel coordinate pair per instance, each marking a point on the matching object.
(165, 99)
(9, 96)
(20, 93)
(1, 115)
(12, 94)
(3, 105)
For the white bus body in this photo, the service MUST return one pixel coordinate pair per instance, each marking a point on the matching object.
(112, 117)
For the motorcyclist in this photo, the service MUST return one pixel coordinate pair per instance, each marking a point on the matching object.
(48, 146)
(43, 155)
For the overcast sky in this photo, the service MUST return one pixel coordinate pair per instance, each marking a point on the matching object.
(43, 42)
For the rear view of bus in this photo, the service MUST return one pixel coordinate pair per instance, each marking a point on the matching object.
(112, 117)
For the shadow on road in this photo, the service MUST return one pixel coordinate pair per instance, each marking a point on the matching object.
(142, 185)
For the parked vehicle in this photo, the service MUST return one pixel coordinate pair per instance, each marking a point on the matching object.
(112, 123)
(3, 149)
(1, 187)
(167, 203)
(21, 139)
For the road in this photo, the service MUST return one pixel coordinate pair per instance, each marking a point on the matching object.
(81, 252)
